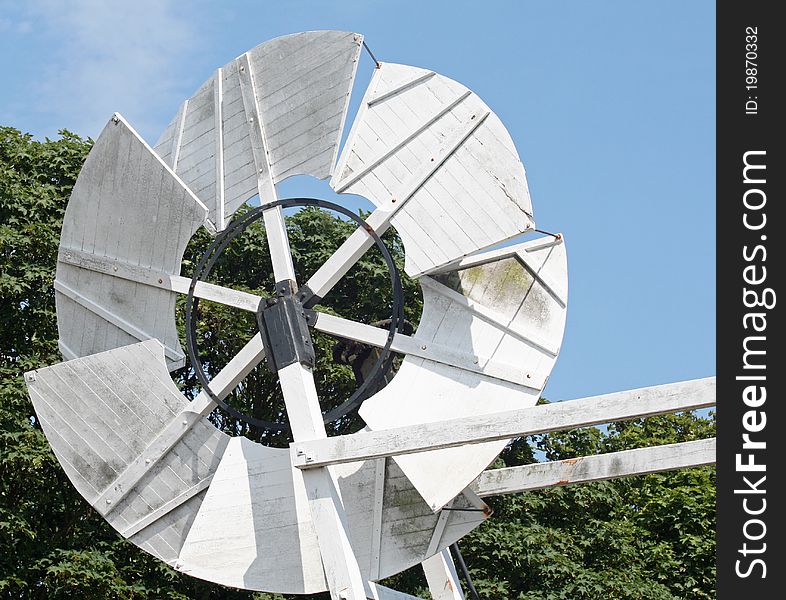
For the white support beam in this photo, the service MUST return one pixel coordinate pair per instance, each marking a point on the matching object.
(441, 576)
(405, 344)
(327, 509)
(640, 461)
(631, 404)
(326, 323)
(275, 227)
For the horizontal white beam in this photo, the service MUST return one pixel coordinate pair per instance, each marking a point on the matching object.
(595, 468)
(631, 404)
(405, 344)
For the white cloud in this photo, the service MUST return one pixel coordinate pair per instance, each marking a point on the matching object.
(111, 57)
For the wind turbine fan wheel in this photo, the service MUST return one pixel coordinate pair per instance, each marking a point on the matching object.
(440, 167)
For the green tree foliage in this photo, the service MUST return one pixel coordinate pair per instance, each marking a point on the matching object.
(644, 537)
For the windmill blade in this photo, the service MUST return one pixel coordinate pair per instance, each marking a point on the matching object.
(508, 304)
(438, 163)
(128, 213)
(300, 86)
(99, 413)
(223, 509)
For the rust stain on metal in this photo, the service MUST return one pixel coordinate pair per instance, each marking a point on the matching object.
(563, 482)
(571, 461)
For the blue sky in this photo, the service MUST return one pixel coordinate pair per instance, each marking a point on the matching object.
(611, 105)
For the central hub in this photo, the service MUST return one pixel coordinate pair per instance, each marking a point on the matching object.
(283, 323)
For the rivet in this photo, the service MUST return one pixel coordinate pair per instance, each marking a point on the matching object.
(423, 347)
(242, 68)
(299, 451)
(475, 361)
(108, 501)
(529, 376)
(185, 422)
(114, 268)
(147, 461)
(160, 280)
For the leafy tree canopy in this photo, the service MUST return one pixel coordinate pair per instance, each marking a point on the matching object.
(647, 537)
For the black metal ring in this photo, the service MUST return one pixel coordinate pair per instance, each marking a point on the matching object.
(208, 260)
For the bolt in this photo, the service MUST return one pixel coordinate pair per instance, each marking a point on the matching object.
(115, 119)
(529, 376)
(147, 461)
(31, 376)
(309, 458)
(160, 280)
(423, 347)
(242, 68)
(185, 422)
(475, 361)
(108, 501)
(299, 451)
(114, 268)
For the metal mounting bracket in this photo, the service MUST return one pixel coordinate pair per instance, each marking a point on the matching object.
(283, 324)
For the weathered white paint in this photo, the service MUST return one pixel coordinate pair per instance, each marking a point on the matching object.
(380, 220)
(443, 581)
(100, 412)
(342, 571)
(252, 525)
(476, 197)
(374, 336)
(127, 207)
(458, 316)
(380, 592)
(583, 469)
(642, 402)
(302, 94)
(275, 228)
(173, 431)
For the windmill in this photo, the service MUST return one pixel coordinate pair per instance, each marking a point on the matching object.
(332, 513)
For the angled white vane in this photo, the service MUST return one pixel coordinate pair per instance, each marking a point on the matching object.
(127, 225)
(440, 168)
(297, 87)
